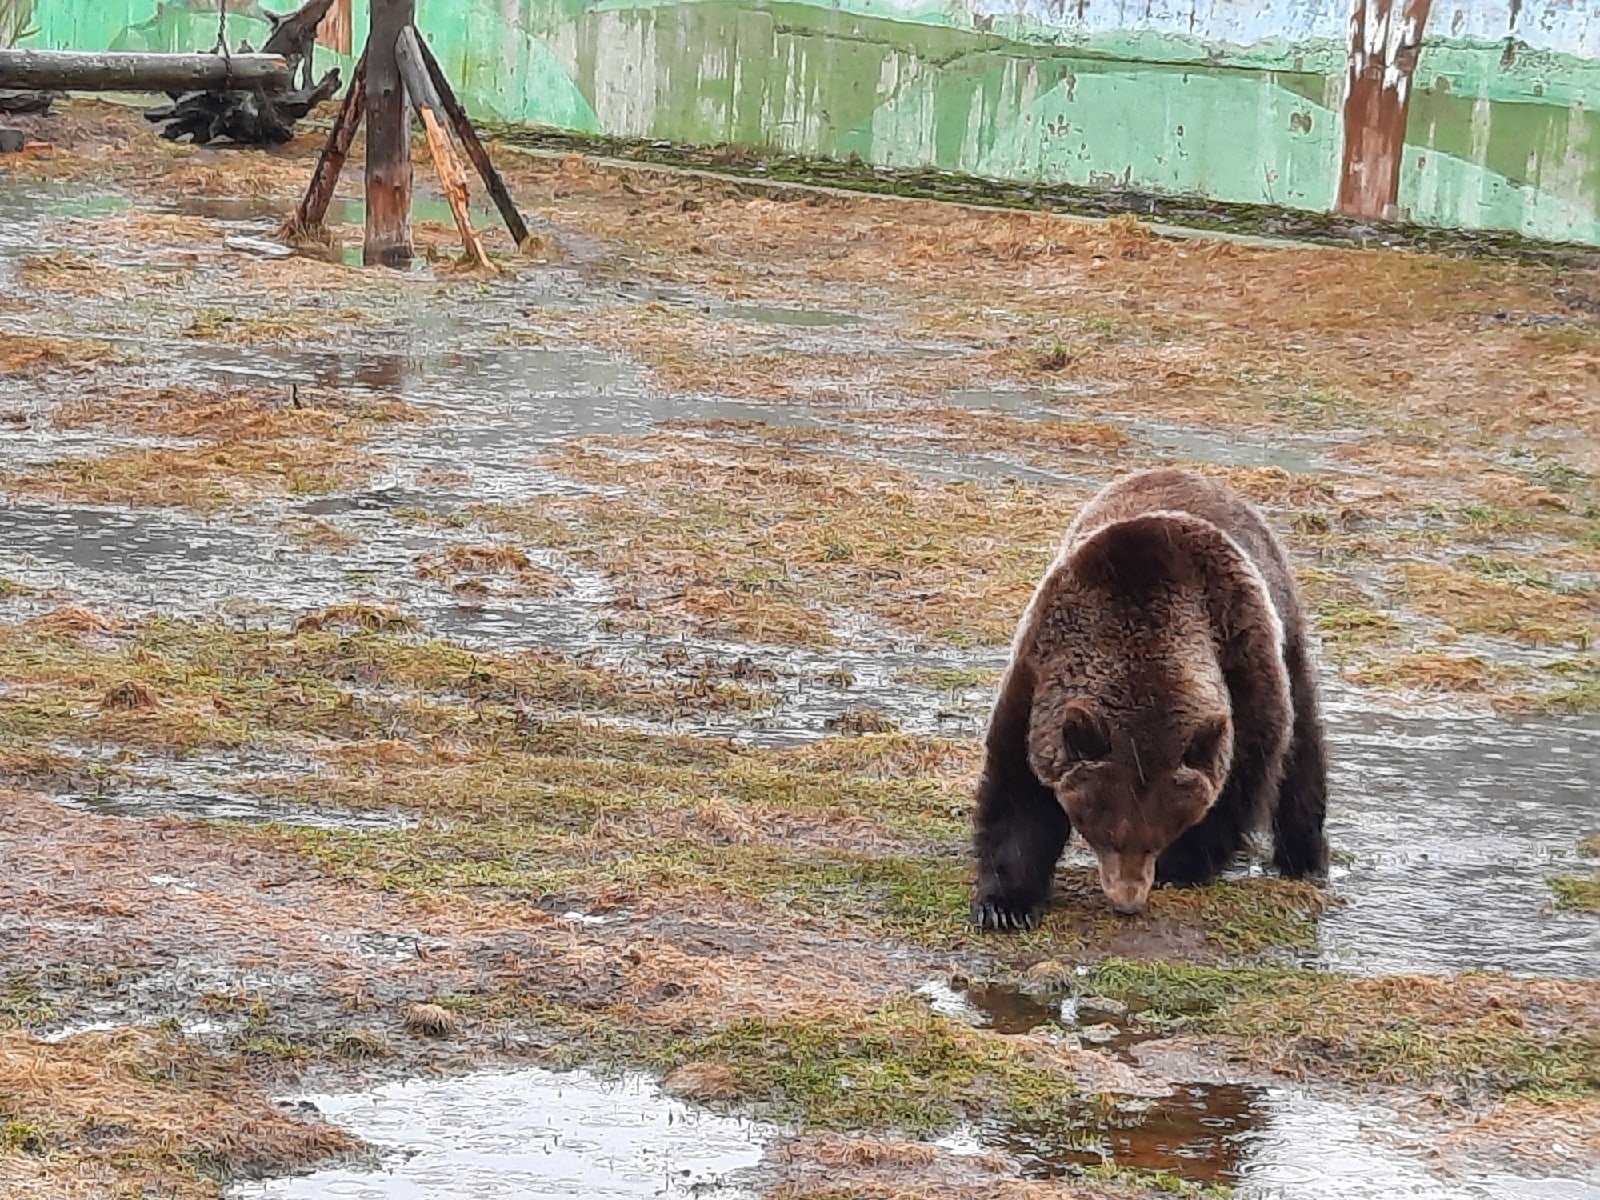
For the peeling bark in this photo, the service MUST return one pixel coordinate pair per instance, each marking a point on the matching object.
(1384, 40)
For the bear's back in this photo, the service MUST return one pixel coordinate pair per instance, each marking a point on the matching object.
(1168, 489)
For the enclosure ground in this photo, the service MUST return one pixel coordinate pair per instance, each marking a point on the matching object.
(411, 674)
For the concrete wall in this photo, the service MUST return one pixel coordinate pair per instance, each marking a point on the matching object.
(1240, 100)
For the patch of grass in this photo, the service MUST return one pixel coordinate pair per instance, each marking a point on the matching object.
(1318, 407)
(251, 445)
(22, 1137)
(837, 845)
(30, 355)
(464, 567)
(1471, 603)
(1589, 846)
(20, 1003)
(950, 679)
(755, 543)
(1437, 671)
(139, 1112)
(1158, 1183)
(901, 1067)
(1488, 1034)
(222, 687)
(1577, 893)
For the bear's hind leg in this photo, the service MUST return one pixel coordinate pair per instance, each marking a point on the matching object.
(1300, 845)
(1019, 828)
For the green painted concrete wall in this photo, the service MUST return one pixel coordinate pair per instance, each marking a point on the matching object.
(1236, 100)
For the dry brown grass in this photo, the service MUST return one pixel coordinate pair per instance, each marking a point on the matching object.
(139, 1113)
(68, 271)
(252, 444)
(1474, 603)
(27, 355)
(463, 568)
(757, 543)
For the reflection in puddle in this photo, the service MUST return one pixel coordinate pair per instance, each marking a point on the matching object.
(528, 1134)
(1196, 1134)
(202, 803)
(1261, 1141)
(1265, 1143)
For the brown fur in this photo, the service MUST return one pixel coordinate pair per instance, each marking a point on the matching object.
(1160, 697)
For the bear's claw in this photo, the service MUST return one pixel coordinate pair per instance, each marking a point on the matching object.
(991, 914)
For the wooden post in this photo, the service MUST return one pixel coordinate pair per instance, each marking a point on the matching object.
(308, 218)
(81, 71)
(452, 176)
(1385, 38)
(388, 236)
(474, 148)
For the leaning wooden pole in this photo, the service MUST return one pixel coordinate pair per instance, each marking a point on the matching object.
(473, 147)
(452, 175)
(388, 235)
(79, 71)
(313, 211)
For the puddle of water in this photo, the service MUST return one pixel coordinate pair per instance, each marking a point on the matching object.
(1196, 1134)
(1454, 827)
(1265, 1143)
(528, 1134)
(216, 804)
(800, 318)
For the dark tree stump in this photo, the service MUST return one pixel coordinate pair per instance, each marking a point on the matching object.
(244, 118)
(256, 116)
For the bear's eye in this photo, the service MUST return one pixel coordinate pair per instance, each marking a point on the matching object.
(1084, 736)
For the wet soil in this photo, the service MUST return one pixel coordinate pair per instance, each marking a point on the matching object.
(595, 655)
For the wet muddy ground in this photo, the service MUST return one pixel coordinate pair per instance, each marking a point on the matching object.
(517, 732)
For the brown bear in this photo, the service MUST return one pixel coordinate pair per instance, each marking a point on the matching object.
(1161, 698)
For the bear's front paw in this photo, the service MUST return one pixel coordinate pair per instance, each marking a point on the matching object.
(999, 913)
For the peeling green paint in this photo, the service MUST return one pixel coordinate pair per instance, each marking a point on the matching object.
(1499, 136)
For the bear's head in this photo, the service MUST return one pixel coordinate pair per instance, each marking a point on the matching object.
(1133, 774)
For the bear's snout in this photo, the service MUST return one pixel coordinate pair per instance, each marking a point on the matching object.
(1126, 880)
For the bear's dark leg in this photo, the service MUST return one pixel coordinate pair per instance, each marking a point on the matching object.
(1210, 847)
(1019, 827)
(1300, 847)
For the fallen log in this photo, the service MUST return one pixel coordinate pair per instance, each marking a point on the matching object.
(256, 116)
(75, 71)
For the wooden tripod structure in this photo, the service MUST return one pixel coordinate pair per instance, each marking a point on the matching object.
(397, 72)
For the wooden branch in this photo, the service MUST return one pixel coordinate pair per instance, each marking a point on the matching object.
(294, 35)
(473, 147)
(388, 176)
(452, 176)
(313, 210)
(71, 70)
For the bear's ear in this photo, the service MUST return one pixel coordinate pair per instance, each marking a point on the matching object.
(1205, 743)
(1084, 736)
